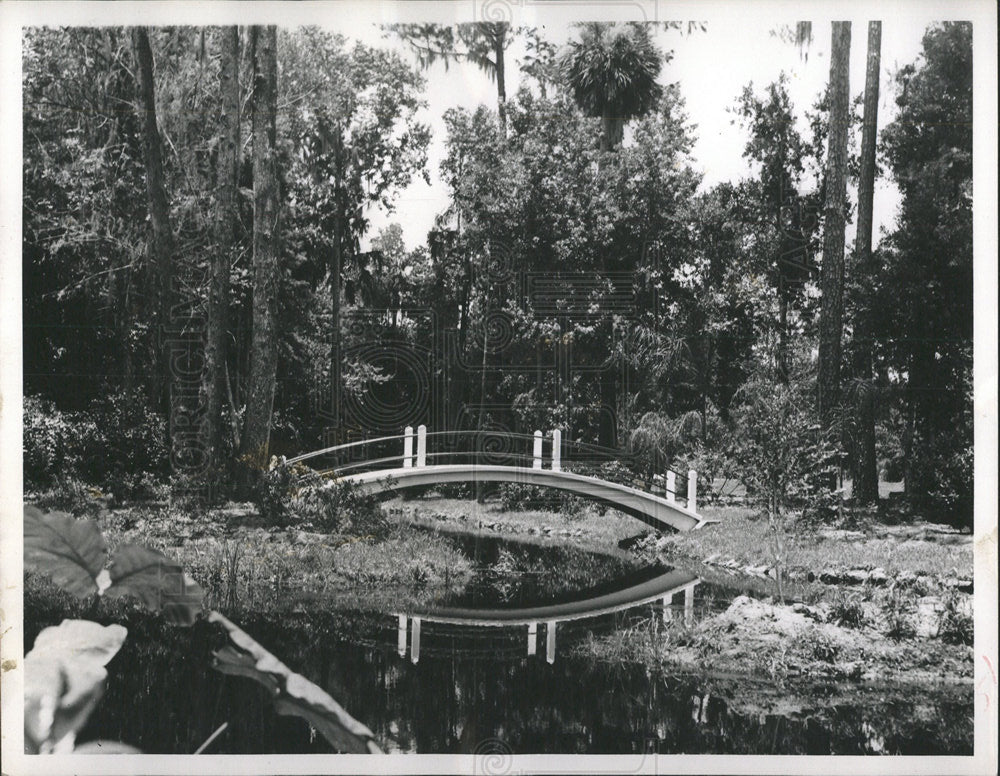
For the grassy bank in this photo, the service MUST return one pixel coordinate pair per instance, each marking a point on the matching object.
(244, 564)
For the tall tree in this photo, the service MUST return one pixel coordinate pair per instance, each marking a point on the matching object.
(264, 350)
(161, 246)
(865, 465)
(924, 300)
(612, 71)
(832, 270)
(227, 169)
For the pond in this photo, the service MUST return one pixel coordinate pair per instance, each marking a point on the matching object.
(476, 688)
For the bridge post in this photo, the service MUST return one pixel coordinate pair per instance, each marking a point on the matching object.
(532, 638)
(671, 486)
(550, 641)
(421, 445)
(401, 636)
(668, 613)
(692, 490)
(556, 450)
(408, 447)
(689, 606)
(536, 451)
(415, 641)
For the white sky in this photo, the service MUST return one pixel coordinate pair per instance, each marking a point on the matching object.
(712, 69)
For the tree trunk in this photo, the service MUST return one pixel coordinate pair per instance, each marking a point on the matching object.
(498, 41)
(162, 245)
(832, 272)
(866, 467)
(264, 351)
(227, 165)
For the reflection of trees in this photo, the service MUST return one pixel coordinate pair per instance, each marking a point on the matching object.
(450, 703)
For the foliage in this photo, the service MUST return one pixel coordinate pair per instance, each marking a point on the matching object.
(293, 693)
(847, 610)
(926, 281)
(900, 609)
(957, 624)
(65, 674)
(48, 443)
(337, 506)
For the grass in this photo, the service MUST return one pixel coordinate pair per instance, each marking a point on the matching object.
(747, 539)
(591, 527)
(242, 564)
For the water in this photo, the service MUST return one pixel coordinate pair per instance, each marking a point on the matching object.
(475, 689)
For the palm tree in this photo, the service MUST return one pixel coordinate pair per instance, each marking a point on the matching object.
(612, 71)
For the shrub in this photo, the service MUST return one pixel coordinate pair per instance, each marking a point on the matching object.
(49, 443)
(957, 624)
(69, 494)
(337, 506)
(900, 610)
(847, 610)
(272, 495)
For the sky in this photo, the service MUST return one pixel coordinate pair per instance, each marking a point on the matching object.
(711, 67)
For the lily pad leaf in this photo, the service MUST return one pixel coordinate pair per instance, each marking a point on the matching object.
(64, 679)
(293, 693)
(72, 552)
(160, 584)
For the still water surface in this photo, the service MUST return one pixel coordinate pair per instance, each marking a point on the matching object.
(475, 689)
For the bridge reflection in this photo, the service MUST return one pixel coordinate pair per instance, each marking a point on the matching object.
(663, 589)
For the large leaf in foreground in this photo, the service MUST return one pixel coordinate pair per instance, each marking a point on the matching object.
(159, 583)
(293, 693)
(64, 678)
(70, 551)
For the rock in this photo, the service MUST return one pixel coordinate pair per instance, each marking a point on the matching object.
(757, 571)
(809, 611)
(829, 576)
(855, 576)
(965, 585)
(878, 577)
(712, 558)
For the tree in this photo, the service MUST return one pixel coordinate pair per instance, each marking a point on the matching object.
(266, 234)
(865, 464)
(786, 215)
(226, 219)
(481, 43)
(161, 245)
(611, 71)
(832, 270)
(924, 302)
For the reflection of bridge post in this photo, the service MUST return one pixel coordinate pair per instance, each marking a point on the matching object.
(532, 638)
(689, 605)
(421, 445)
(401, 636)
(408, 447)
(550, 641)
(668, 614)
(415, 641)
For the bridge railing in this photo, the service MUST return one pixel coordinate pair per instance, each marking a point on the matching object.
(419, 448)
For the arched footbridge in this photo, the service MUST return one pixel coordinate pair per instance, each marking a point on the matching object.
(496, 459)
